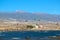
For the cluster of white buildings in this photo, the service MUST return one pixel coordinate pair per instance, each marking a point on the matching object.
(39, 27)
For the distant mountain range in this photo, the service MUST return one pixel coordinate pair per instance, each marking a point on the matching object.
(30, 16)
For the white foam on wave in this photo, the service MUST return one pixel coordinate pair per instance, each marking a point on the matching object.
(15, 38)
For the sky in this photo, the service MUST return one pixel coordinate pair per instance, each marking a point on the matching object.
(47, 6)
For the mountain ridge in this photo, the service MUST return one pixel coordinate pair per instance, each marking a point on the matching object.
(30, 16)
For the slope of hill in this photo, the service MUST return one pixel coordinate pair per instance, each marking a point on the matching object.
(30, 16)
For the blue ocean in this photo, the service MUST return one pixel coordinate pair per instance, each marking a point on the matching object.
(29, 35)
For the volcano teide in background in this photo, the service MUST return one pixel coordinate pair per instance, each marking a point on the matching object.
(29, 16)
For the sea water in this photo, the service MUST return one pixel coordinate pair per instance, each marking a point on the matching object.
(29, 35)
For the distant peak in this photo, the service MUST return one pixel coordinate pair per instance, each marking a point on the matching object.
(39, 12)
(20, 11)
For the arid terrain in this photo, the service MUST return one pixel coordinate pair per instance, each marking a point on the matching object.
(30, 25)
(21, 20)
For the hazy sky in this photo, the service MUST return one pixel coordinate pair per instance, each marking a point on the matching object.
(49, 6)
